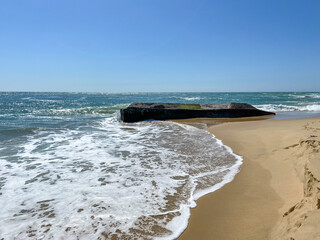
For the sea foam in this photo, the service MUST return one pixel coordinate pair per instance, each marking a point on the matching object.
(289, 108)
(109, 179)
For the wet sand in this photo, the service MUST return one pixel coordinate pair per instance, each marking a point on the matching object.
(276, 193)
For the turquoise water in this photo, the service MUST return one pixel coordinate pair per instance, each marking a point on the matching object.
(69, 169)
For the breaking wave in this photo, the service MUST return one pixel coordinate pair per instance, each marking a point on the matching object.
(288, 108)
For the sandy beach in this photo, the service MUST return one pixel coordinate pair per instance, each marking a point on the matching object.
(276, 194)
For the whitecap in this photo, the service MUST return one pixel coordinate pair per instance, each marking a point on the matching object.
(314, 95)
(191, 98)
(288, 108)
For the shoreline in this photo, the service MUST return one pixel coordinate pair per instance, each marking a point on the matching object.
(267, 199)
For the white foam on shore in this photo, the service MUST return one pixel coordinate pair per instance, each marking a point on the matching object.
(110, 179)
(233, 170)
(179, 225)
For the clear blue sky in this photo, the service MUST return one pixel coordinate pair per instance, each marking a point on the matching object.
(159, 45)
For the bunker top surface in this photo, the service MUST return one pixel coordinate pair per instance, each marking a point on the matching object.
(184, 106)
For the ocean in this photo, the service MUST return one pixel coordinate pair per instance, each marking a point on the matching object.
(69, 169)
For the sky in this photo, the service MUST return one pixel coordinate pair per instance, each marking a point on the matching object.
(159, 45)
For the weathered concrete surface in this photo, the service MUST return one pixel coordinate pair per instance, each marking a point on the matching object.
(165, 111)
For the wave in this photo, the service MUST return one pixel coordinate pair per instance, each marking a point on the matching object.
(288, 108)
(305, 95)
(11, 133)
(313, 95)
(297, 96)
(36, 112)
(114, 179)
(32, 99)
(191, 98)
(312, 108)
(85, 110)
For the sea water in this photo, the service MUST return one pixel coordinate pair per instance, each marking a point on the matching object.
(69, 169)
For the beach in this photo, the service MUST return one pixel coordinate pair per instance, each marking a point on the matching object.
(67, 154)
(160, 120)
(276, 193)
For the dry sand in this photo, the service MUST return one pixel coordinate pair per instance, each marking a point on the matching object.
(276, 194)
